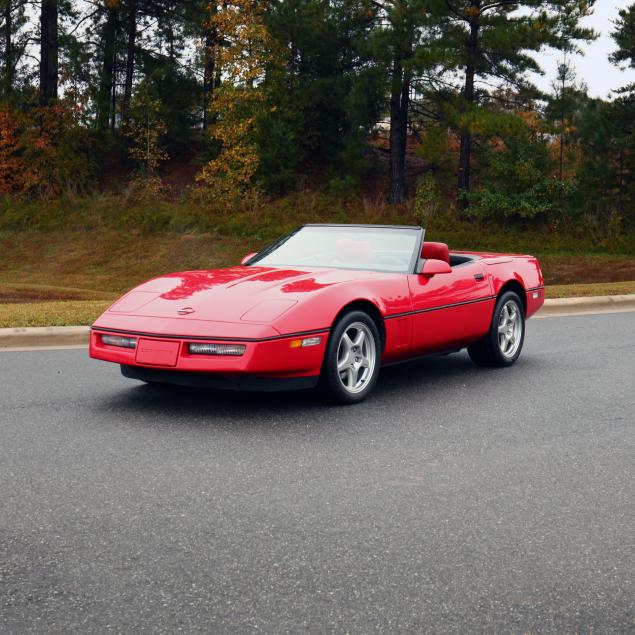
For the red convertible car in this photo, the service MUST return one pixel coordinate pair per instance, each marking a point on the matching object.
(326, 304)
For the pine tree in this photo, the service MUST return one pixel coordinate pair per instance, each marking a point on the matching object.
(405, 44)
(563, 107)
(493, 40)
(13, 43)
(624, 36)
(49, 51)
(325, 97)
(108, 23)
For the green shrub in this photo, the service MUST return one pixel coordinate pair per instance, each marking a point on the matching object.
(428, 201)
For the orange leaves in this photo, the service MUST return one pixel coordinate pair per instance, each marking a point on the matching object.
(472, 12)
(247, 44)
(11, 163)
(40, 150)
(41, 143)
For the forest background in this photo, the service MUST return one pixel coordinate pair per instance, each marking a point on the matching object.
(138, 136)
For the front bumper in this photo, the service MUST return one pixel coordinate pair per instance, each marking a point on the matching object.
(218, 381)
(263, 361)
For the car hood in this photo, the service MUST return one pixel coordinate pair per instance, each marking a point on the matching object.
(249, 294)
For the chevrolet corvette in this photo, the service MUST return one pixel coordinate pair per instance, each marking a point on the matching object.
(325, 305)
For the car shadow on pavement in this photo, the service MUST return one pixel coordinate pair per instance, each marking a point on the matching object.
(396, 383)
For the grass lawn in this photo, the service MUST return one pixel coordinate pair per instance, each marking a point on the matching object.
(110, 261)
(592, 289)
(52, 313)
(94, 262)
(70, 277)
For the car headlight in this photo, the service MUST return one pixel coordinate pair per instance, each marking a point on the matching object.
(118, 340)
(217, 349)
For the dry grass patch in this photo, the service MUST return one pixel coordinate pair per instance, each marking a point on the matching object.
(82, 265)
(575, 269)
(21, 293)
(588, 290)
(108, 261)
(65, 313)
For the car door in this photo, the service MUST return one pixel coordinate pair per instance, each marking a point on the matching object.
(450, 309)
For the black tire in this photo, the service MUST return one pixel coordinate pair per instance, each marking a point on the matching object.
(490, 351)
(333, 380)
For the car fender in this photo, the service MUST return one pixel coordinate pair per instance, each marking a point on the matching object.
(319, 311)
(523, 270)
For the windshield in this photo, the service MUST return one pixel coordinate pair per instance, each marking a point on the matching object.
(349, 247)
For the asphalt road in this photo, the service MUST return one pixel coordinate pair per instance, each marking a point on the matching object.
(456, 500)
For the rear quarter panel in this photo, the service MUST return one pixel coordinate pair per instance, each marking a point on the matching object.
(525, 270)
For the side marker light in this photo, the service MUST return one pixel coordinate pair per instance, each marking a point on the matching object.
(307, 341)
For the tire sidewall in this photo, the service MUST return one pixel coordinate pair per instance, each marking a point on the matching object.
(501, 359)
(330, 377)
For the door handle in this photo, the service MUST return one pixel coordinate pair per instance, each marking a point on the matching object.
(479, 277)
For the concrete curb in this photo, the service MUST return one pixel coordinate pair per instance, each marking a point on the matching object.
(590, 305)
(44, 336)
(69, 336)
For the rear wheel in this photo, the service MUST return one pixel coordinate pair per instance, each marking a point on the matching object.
(504, 341)
(352, 358)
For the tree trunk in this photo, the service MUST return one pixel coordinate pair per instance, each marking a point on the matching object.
(399, 104)
(465, 153)
(130, 55)
(106, 81)
(219, 73)
(170, 39)
(562, 113)
(622, 189)
(113, 91)
(209, 77)
(8, 50)
(49, 46)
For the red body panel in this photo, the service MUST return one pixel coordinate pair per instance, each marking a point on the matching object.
(268, 308)
(467, 318)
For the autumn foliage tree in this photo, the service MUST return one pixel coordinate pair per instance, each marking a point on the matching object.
(44, 151)
(144, 131)
(12, 165)
(57, 150)
(247, 53)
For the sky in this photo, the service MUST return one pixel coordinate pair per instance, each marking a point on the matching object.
(593, 68)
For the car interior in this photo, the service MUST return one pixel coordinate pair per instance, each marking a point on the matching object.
(359, 252)
(440, 251)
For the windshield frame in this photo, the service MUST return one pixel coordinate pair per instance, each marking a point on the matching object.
(414, 258)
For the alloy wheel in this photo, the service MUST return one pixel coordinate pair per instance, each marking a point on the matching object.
(356, 357)
(510, 328)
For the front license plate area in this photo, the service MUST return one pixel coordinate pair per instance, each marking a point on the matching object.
(157, 352)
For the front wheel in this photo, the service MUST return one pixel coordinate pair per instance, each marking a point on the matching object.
(352, 358)
(504, 342)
